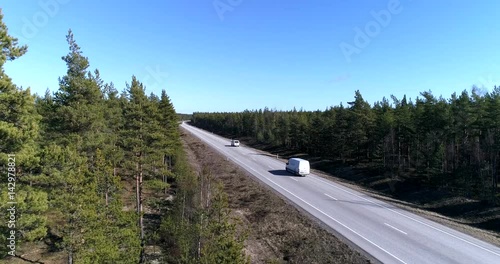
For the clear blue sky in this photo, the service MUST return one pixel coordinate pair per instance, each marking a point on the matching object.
(258, 53)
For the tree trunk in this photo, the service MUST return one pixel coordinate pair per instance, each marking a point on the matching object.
(183, 206)
(138, 184)
(168, 163)
(141, 219)
(107, 190)
(409, 156)
(201, 215)
(443, 161)
(137, 196)
(494, 175)
(399, 148)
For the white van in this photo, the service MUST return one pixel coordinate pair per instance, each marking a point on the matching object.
(235, 143)
(298, 166)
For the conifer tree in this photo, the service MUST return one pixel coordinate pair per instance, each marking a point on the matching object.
(169, 126)
(79, 103)
(360, 124)
(134, 143)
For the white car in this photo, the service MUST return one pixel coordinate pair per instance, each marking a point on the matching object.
(235, 143)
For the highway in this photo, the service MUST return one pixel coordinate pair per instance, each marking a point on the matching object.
(389, 234)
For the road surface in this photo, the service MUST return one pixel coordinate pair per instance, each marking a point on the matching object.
(387, 233)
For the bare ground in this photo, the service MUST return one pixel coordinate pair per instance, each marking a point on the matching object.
(277, 231)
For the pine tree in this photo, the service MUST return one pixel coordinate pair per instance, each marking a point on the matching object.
(360, 124)
(134, 143)
(168, 140)
(79, 114)
(169, 120)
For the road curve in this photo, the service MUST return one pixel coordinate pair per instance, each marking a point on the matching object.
(389, 234)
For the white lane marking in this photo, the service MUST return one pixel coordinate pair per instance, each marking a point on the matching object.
(416, 220)
(317, 209)
(337, 221)
(331, 197)
(395, 228)
(294, 179)
(269, 166)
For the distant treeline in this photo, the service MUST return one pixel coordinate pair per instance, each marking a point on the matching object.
(432, 142)
(185, 116)
(85, 161)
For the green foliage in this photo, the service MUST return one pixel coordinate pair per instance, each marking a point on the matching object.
(31, 207)
(221, 242)
(9, 47)
(106, 182)
(30, 222)
(72, 197)
(156, 185)
(78, 105)
(113, 238)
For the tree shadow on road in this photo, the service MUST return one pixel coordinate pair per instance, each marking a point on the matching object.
(263, 154)
(384, 206)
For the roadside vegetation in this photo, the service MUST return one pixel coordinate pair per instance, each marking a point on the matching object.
(184, 116)
(439, 152)
(198, 226)
(101, 176)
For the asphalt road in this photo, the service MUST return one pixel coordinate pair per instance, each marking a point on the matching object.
(387, 233)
